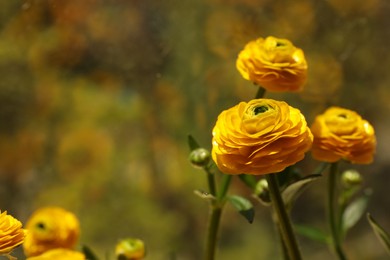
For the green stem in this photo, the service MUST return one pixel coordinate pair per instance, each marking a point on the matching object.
(216, 212)
(260, 92)
(226, 179)
(333, 220)
(212, 232)
(211, 181)
(283, 219)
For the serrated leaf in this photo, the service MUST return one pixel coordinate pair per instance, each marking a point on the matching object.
(291, 192)
(192, 143)
(382, 235)
(243, 206)
(354, 212)
(89, 254)
(312, 233)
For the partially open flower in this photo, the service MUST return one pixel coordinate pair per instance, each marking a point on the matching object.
(275, 64)
(50, 228)
(59, 254)
(11, 233)
(260, 137)
(340, 133)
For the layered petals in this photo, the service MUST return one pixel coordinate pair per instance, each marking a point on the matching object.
(260, 137)
(273, 63)
(11, 233)
(340, 133)
(50, 228)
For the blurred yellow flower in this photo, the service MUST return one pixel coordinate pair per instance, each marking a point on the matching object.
(273, 63)
(49, 228)
(59, 254)
(340, 133)
(260, 137)
(130, 249)
(11, 233)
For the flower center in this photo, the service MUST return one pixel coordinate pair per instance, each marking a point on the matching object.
(260, 109)
(40, 225)
(342, 116)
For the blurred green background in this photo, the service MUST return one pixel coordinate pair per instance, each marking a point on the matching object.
(97, 98)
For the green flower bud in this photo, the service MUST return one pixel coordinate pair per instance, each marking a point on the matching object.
(351, 178)
(262, 192)
(200, 157)
(130, 249)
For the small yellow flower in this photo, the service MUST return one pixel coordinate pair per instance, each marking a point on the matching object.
(273, 63)
(130, 249)
(49, 228)
(260, 137)
(59, 254)
(11, 233)
(340, 133)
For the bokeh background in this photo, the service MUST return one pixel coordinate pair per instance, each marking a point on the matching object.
(97, 98)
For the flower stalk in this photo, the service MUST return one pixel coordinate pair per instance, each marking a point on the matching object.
(283, 220)
(217, 204)
(334, 222)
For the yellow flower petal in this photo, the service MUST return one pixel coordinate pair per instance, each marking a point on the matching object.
(11, 233)
(342, 134)
(259, 137)
(49, 228)
(273, 63)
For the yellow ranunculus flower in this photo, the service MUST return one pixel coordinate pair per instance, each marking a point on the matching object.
(11, 233)
(59, 254)
(130, 249)
(275, 64)
(340, 133)
(50, 228)
(260, 137)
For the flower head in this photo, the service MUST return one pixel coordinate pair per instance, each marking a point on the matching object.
(59, 254)
(49, 228)
(275, 64)
(340, 133)
(11, 233)
(260, 137)
(130, 249)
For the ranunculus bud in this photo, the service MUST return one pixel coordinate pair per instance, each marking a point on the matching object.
(341, 133)
(200, 157)
(130, 249)
(351, 178)
(260, 137)
(262, 191)
(273, 63)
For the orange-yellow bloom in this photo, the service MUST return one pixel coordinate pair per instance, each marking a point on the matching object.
(340, 133)
(275, 64)
(59, 254)
(50, 228)
(260, 137)
(11, 233)
(130, 249)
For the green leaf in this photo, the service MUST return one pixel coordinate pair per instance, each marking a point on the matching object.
(382, 235)
(89, 254)
(312, 233)
(243, 206)
(291, 192)
(192, 143)
(354, 212)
